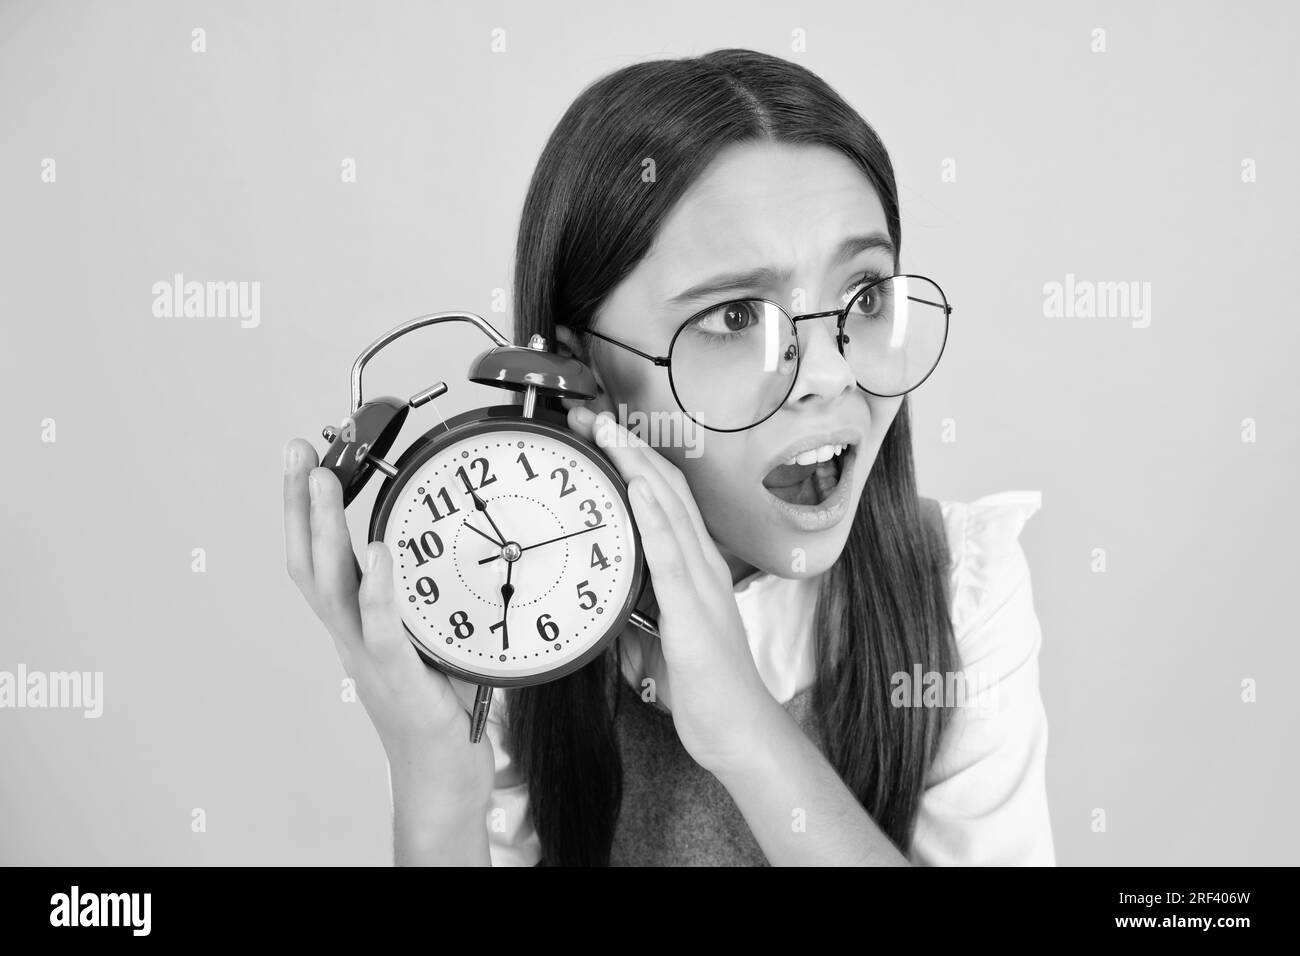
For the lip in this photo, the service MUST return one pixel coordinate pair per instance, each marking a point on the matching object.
(841, 436)
(830, 512)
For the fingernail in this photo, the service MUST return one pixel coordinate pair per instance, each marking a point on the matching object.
(583, 415)
(643, 491)
(290, 456)
(313, 485)
(372, 556)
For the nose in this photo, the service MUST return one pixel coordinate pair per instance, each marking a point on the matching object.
(823, 372)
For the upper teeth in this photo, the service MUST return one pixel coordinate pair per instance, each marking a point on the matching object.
(813, 455)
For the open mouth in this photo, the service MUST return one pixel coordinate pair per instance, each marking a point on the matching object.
(813, 481)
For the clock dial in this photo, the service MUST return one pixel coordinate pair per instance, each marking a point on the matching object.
(514, 553)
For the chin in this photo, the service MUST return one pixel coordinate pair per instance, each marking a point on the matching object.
(797, 555)
(821, 553)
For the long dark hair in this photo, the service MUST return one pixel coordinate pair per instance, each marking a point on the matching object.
(588, 218)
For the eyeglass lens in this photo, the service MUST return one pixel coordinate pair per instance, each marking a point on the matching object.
(734, 365)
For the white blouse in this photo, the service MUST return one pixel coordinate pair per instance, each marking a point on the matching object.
(985, 801)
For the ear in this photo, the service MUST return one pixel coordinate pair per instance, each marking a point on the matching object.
(569, 344)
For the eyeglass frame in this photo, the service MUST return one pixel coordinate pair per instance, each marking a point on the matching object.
(665, 361)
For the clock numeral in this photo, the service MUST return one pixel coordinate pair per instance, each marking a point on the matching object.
(484, 478)
(598, 559)
(462, 625)
(429, 547)
(505, 635)
(446, 499)
(427, 589)
(523, 460)
(565, 487)
(583, 595)
(547, 628)
(589, 506)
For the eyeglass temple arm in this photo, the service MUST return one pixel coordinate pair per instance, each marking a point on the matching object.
(946, 308)
(657, 359)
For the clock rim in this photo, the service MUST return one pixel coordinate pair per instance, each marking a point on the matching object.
(503, 418)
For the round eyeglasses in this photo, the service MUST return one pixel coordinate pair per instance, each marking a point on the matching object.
(732, 365)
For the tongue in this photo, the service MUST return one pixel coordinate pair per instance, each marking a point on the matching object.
(802, 484)
(786, 476)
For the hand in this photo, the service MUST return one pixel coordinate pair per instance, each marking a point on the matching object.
(718, 695)
(421, 721)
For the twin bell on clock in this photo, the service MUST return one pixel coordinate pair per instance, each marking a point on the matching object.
(516, 560)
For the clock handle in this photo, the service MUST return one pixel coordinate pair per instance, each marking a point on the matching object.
(395, 333)
(482, 701)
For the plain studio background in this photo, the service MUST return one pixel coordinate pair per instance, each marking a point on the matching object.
(1024, 155)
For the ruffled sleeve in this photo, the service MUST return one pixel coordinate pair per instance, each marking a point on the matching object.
(985, 801)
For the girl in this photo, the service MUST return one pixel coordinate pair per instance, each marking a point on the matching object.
(846, 673)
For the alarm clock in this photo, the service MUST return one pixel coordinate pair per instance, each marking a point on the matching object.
(516, 559)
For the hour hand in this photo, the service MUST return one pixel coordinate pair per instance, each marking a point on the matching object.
(507, 592)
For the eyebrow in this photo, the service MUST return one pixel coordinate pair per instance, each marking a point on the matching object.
(770, 277)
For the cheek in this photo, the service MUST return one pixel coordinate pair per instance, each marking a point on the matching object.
(722, 499)
(705, 473)
(739, 518)
(883, 413)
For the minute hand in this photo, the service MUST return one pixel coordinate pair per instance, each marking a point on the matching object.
(548, 541)
(481, 505)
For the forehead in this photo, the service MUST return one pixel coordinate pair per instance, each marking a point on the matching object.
(761, 204)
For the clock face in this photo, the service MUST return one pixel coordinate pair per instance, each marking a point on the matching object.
(556, 534)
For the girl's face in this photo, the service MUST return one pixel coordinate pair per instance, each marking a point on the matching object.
(790, 209)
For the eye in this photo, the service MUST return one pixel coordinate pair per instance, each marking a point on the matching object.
(730, 318)
(874, 301)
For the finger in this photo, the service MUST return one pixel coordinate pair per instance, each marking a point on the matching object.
(381, 624)
(635, 458)
(299, 459)
(670, 472)
(669, 569)
(580, 419)
(681, 487)
(568, 404)
(333, 562)
(385, 636)
(703, 551)
(632, 455)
